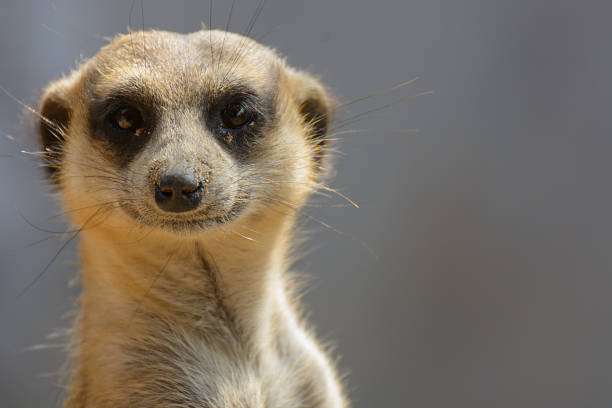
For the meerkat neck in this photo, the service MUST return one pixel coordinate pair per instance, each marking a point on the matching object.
(165, 278)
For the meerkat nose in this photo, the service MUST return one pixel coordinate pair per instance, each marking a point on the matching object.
(178, 190)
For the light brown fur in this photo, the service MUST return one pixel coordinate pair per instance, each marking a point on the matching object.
(182, 316)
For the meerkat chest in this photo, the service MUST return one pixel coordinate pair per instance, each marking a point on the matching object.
(213, 370)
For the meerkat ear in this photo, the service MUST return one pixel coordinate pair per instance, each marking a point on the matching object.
(315, 104)
(55, 111)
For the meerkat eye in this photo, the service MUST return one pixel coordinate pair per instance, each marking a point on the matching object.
(237, 115)
(126, 119)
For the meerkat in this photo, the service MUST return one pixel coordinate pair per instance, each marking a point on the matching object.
(182, 160)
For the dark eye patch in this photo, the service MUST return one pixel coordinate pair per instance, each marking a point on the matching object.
(238, 118)
(122, 123)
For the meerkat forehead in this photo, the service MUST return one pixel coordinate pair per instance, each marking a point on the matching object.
(172, 68)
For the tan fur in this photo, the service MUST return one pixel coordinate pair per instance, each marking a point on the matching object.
(201, 318)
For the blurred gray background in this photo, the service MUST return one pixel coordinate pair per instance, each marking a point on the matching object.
(492, 223)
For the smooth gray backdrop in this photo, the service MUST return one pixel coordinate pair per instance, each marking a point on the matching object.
(492, 224)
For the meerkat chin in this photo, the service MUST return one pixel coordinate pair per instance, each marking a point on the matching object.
(182, 160)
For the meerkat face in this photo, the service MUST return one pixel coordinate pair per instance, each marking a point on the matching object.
(183, 132)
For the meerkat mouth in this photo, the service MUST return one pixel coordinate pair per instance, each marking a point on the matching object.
(193, 222)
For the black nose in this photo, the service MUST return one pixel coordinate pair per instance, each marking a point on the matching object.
(178, 192)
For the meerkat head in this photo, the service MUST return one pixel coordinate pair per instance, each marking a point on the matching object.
(183, 132)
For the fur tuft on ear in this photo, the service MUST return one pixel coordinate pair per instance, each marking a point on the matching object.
(315, 104)
(55, 112)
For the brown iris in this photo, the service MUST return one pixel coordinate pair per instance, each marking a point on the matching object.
(236, 115)
(127, 119)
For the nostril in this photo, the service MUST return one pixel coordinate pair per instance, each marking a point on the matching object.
(188, 190)
(163, 195)
(166, 192)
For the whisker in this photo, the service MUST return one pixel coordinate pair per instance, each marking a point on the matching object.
(30, 109)
(31, 224)
(51, 30)
(108, 203)
(130, 26)
(243, 236)
(355, 118)
(242, 48)
(30, 245)
(212, 54)
(260, 38)
(352, 131)
(229, 19)
(153, 282)
(378, 93)
(144, 44)
(145, 235)
(8, 136)
(322, 223)
(255, 17)
(40, 154)
(57, 254)
(312, 184)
